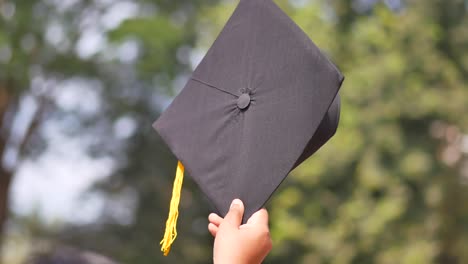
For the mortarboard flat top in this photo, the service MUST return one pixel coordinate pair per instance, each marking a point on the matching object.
(263, 99)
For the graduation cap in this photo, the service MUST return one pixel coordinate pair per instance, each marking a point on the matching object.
(263, 100)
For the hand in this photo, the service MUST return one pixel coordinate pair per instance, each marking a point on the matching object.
(240, 244)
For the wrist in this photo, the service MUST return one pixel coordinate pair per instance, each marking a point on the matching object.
(233, 260)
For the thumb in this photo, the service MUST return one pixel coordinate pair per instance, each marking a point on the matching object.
(234, 216)
(259, 218)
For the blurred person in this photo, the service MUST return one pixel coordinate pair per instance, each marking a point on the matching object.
(68, 255)
(239, 243)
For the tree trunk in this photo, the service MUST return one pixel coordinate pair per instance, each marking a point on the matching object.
(5, 180)
(6, 101)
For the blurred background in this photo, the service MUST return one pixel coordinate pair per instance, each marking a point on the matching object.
(83, 175)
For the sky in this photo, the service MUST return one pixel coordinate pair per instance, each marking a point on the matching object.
(55, 184)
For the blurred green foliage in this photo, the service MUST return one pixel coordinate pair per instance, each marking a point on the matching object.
(390, 187)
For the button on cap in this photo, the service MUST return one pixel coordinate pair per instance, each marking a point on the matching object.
(243, 101)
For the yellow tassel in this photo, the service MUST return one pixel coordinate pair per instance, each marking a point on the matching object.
(171, 224)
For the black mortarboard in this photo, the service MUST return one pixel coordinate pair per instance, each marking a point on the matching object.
(263, 99)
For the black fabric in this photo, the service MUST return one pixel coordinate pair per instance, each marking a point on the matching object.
(261, 101)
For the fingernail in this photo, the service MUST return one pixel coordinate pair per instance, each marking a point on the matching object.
(236, 203)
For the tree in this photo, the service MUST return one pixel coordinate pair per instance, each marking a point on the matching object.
(42, 46)
(387, 188)
(32, 60)
(384, 188)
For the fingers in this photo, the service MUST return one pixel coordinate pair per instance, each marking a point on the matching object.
(259, 218)
(234, 216)
(215, 219)
(213, 229)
